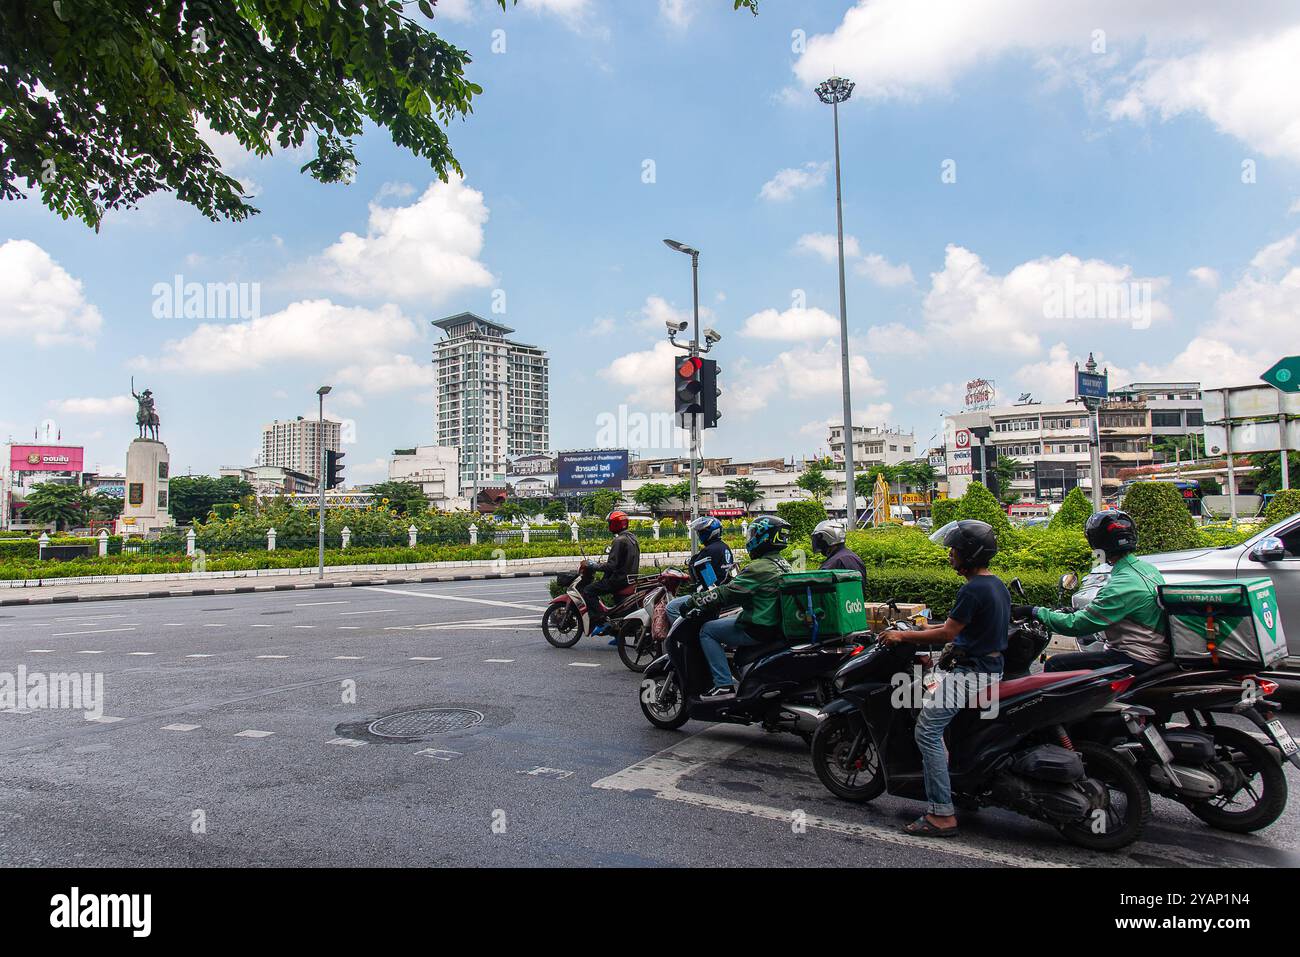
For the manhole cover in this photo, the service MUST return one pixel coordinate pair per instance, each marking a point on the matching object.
(414, 724)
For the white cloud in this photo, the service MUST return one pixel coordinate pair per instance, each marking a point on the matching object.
(1205, 276)
(40, 302)
(1053, 378)
(602, 326)
(678, 13)
(427, 251)
(787, 182)
(368, 473)
(794, 324)
(645, 375)
(314, 330)
(880, 271)
(396, 373)
(894, 338)
(460, 11)
(657, 312)
(1275, 255)
(113, 405)
(875, 415)
(824, 246)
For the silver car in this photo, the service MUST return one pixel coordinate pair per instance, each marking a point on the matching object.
(1274, 552)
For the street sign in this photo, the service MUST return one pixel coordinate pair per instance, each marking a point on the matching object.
(1090, 385)
(1284, 375)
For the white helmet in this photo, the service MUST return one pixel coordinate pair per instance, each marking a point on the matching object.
(827, 535)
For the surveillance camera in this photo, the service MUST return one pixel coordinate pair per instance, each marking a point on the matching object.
(712, 335)
(675, 326)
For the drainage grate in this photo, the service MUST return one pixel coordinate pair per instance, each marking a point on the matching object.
(414, 724)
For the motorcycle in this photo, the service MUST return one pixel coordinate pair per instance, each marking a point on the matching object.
(639, 633)
(782, 685)
(1018, 756)
(567, 617)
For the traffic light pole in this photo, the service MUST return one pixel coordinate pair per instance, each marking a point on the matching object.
(695, 419)
(320, 541)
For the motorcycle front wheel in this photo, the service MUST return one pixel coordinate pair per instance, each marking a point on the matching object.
(663, 702)
(562, 625)
(846, 760)
(1128, 806)
(1260, 801)
(635, 646)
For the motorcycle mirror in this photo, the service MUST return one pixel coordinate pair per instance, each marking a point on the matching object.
(1069, 581)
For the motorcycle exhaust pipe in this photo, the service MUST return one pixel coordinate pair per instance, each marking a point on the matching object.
(805, 719)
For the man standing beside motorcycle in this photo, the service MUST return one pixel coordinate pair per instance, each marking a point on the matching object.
(1127, 608)
(620, 568)
(977, 627)
(712, 564)
(828, 539)
(756, 590)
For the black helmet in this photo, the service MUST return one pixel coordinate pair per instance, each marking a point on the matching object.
(767, 534)
(1112, 531)
(974, 541)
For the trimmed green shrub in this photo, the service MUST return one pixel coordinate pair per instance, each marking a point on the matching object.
(1283, 505)
(978, 503)
(1164, 524)
(938, 588)
(802, 516)
(1074, 511)
(1043, 549)
(897, 547)
(1222, 533)
(944, 510)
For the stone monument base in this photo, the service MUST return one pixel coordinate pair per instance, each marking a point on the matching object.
(147, 505)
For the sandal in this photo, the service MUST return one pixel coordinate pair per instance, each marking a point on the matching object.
(923, 827)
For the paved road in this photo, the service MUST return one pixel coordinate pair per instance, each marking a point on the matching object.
(235, 732)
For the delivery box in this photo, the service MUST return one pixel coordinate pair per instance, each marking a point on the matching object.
(822, 604)
(1224, 623)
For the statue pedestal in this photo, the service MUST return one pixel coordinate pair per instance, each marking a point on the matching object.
(147, 505)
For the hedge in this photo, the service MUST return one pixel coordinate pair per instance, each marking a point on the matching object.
(802, 516)
(1282, 505)
(944, 510)
(1074, 511)
(1163, 522)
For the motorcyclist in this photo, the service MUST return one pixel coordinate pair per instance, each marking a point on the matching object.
(977, 627)
(1127, 608)
(711, 564)
(828, 539)
(620, 568)
(756, 591)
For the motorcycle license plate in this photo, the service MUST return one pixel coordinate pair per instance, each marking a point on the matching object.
(1283, 738)
(1153, 738)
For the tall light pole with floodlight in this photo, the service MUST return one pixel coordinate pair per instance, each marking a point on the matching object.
(835, 91)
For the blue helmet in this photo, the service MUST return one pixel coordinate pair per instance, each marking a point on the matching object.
(768, 533)
(706, 528)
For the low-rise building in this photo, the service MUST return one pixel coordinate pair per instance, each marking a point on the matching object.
(270, 481)
(435, 468)
(873, 446)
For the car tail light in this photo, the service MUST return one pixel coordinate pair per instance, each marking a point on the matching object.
(1120, 685)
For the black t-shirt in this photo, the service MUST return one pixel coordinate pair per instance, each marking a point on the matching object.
(846, 559)
(983, 607)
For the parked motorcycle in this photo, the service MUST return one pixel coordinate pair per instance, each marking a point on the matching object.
(567, 618)
(640, 632)
(782, 685)
(1018, 756)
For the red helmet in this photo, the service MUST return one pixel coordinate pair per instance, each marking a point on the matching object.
(618, 522)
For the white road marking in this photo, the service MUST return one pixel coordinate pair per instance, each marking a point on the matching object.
(214, 624)
(142, 654)
(304, 626)
(661, 773)
(41, 651)
(198, 656)
(15, 710)
(424, 659)
(498, 661)
(347, 657)
(104, 719)
(101, 631)
(261, 626)
(372, 611)
(254, 734)
(556, 773)
(349, 627)
(346, 742)
(88, 617)
(475, 601)
(438, 755)
(173, 624)
(583, 664)
(180, 727)
(311, 604)
(273, 656)
(99, 652)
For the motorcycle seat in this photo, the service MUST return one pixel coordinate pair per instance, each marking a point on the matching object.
(1156, 673)
(1044, 679)
(750, 653)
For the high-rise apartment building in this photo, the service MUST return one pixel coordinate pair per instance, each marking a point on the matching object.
(296, 444)
(493, 397)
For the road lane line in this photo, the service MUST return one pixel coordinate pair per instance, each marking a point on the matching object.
(253, 733)
(273, 656)
(424, 659)
(198, 656)
(346, 742)
(180, 727)
(310, 604)
(583, 664)
(498, 661)
(372, 611)
(100, 631)
(348, 657)
(142, 654)
(473, 601)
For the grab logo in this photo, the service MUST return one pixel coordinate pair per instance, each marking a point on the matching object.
(852, 607)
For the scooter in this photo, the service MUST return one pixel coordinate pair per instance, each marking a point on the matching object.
(1016, 756)
(567, 618)
(782, 684)
(639, 633)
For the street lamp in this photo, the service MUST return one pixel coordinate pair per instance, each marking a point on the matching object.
(835, 91)
(320, 437)
(694, 349)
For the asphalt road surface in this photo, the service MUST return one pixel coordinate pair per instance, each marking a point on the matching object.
(239, 730)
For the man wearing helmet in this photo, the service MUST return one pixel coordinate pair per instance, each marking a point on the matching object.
(756, 591)
(711, 564)
(828, 539)
(620, 567)
(1126, 608)
(977, 627)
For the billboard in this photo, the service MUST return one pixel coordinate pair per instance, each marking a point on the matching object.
(604, 468)
(46, 458)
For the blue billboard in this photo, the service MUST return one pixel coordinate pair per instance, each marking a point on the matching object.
(604, 468)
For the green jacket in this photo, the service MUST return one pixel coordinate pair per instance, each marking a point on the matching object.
(1126, 610)
(756, 591)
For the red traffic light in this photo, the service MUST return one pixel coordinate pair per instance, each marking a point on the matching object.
(690, 367)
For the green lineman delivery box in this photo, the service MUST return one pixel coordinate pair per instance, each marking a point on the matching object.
(822, 604)
(1231, 623)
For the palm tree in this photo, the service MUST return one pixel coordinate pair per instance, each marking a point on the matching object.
(62, 505)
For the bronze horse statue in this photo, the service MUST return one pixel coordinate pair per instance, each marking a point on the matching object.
(146, 417)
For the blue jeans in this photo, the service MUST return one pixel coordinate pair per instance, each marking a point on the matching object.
(935, 716)
(674, 608)
(715, 634)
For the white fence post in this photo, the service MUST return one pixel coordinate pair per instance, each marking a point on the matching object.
(412, 532)
(525, 527)
(189, 542)
(347, 536)
(473, 534)
(573, 531)
(103, 542)
(270, 539)
(744, 528)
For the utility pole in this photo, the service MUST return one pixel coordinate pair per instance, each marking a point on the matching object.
(320, 438)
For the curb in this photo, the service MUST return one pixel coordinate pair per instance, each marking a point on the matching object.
(249, 589)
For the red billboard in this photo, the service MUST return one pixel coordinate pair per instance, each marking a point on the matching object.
(46, 458)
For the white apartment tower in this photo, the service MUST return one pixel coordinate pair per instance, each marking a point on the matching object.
(493, 397)
(296, 444)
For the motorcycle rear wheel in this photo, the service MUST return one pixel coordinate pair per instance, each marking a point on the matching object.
(831, 747)
(635, 647)
(562, 625)
(1257, 762)
(1130, 801)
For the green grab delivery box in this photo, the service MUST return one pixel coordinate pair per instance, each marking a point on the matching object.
(1228, 623)
(822, 604)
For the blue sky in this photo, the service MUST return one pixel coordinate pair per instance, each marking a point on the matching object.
(1155, 158)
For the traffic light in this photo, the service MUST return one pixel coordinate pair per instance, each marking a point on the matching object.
(687, 387)
(709, 393)
(333, 468)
